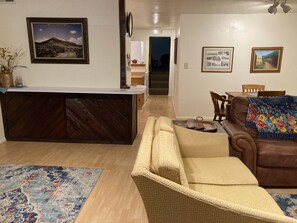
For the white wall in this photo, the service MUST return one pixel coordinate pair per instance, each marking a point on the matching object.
(104, 44)
(137, 51)
(144, 35)
(175, 79)
(242, 32)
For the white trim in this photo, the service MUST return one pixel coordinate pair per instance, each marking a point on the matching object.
(138, 89)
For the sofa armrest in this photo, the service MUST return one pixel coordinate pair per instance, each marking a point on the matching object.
(243, 143)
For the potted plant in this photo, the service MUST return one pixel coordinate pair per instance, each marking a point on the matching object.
(9, 60)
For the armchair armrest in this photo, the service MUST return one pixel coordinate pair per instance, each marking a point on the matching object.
(242, 142)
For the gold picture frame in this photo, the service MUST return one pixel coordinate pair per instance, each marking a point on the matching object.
(266, 59)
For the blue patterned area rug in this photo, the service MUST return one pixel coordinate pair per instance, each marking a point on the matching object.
(288, 203)
(44, 194)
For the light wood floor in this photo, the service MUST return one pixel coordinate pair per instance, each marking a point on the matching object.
(115, 198)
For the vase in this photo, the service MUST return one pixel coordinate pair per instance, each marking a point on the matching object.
(18, 82)
(6, 79)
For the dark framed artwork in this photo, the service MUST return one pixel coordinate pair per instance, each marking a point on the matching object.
(175, 50)
(58, 40)
(266, 59)
(217, 59)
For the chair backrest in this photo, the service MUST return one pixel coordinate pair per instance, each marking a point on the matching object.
(252, 87)
(271, 93)
(216, 100)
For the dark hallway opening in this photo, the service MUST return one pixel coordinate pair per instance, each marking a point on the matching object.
(159, 65)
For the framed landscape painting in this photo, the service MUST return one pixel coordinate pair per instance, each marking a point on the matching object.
(266, 59)
(217, 59)
(58, 40)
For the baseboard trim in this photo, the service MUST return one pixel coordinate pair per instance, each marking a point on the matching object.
(2, 140)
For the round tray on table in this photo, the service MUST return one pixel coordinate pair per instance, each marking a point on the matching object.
(197, 124)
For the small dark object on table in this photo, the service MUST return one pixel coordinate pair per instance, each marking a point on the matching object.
(197, 124)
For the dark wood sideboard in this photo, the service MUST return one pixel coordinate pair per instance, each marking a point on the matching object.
(69, 117)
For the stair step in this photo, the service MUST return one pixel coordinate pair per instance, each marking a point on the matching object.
(158, 91)
(159, 84)
(159, 77)
(159, 73)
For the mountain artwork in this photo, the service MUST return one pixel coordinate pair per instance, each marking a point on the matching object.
(56, 48)
(58, 40)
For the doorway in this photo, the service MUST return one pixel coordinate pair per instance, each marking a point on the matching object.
(159, 65)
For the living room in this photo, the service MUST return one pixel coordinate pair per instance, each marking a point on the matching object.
(189, 86)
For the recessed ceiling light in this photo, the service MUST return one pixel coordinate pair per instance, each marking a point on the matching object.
(156, 18)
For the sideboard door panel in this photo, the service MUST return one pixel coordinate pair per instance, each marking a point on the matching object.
(100, 118)
(39, 116)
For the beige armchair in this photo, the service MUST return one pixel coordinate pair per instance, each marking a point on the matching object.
(170, 201)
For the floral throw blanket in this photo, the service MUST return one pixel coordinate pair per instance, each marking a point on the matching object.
(273, 117)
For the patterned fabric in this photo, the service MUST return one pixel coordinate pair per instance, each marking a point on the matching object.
(45, 194)
(273, 117)
(288, 203)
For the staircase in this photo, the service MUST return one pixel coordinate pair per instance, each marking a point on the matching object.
(158, 83)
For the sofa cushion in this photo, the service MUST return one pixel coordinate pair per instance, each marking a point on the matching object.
(163, 123)
(276, 153)
(218, 171)
(238, 114)
(248, 196)
(165, 158)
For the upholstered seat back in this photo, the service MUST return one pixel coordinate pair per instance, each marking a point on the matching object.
(238, 112)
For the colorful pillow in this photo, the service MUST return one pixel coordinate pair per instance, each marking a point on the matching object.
(273, 117)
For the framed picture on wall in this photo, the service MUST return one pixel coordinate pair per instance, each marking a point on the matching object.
(58, 40)
(175, 50)
(217, 59)
(266, 59)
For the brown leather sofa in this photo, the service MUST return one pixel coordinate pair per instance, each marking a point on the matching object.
(272, 161)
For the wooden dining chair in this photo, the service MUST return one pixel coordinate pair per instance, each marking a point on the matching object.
(219, 102)
(271, 93)
(252, 87)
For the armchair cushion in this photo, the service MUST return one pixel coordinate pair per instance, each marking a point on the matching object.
(166, 161)
(241, 195)
(218, 171)
(163, 123)
(201, 144)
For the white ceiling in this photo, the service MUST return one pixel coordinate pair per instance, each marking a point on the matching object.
(168, 11)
